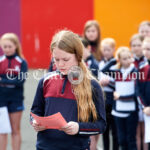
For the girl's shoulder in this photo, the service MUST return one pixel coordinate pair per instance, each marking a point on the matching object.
(143, 65)
(51, 76)
(20, 59)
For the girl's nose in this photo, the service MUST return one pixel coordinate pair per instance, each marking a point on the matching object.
(61, 63)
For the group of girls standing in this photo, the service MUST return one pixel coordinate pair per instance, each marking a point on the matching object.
(123, 104)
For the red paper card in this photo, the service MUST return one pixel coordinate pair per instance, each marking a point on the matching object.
(55, 121)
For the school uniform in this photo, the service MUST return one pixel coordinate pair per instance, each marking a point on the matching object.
(54, 94)
(139, 62)
(92, 65)
(147, 86)
(125, 109)
(144, 86)
(12, 72)
(109, 89)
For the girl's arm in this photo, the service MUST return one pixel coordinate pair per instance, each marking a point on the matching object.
(108, 65)
(38, 107)
(38, 103)
(127, 97)
(98, 127)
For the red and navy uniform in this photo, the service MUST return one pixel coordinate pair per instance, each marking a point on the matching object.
(109, 89)
(144, 84)
(125, 81)
(12, 73)
(54, 94)
(139, 61)
(125, 107)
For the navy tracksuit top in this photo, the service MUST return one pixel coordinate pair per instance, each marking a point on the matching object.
(144, 84)
(92, 65)
(12, 73)
(54, 94)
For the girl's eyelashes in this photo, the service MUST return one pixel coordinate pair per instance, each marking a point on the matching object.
(139, 45)
(66, 59)
(62, 59)
(5, 46)
(148, 49)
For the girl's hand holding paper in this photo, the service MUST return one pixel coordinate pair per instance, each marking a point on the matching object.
(55, 121)
(71, 128)
(37, 126)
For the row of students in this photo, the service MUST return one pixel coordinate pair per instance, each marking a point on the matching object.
(14, 60)
(125, 134)
(143, 84)
(140, 63)
(93, 36)
(139, 59)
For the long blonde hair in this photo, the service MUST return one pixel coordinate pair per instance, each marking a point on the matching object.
(13, 38)
(70, 43)
(97, 54)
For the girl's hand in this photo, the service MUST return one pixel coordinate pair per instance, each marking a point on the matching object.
(37, 127)
(116, 96)
(146, 111)
(71, 128)
(104, 81)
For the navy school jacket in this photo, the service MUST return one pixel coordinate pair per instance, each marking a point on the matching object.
(125, 86)
(139, 61)
(54, 94)
(109, 89)
(92, 65)
(13, 74)
(144, 84)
